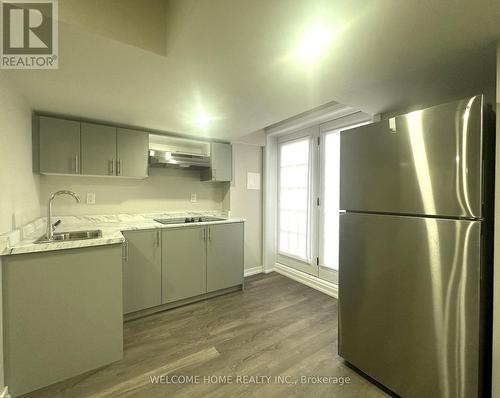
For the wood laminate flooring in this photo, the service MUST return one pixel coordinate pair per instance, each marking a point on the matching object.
(275, 327)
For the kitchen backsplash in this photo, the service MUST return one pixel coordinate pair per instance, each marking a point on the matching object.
(165, 190)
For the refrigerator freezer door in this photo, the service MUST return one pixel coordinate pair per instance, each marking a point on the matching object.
(426, 162)
(409, 302)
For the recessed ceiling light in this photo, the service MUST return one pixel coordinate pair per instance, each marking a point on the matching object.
(204, 120)
(314, 42)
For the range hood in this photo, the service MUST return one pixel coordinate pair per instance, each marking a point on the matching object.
(159, 158)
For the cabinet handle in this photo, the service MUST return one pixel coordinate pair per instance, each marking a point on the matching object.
(204, 234)
(209, 234)
(125, 251)
(77, 169)
(118, 167)
(213, 174)
(112, 164)
(157, 238)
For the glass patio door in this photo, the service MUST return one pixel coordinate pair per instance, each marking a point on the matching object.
(329, 206)
(297, 213)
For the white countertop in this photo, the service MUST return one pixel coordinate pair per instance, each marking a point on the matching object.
(110, 225)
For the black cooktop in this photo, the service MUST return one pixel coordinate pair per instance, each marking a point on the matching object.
(180, 220)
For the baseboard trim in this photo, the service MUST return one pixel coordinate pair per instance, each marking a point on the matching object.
(256, 270)
(312, 281)
(253, 271)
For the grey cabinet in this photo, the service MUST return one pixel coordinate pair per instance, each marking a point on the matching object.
(183, 263)
(221, 168)
(74, 147)
(59, 141)
(62, 314)
(132, 153)
(180, 263)
(142, 270)
(98, 149)
(224, 256)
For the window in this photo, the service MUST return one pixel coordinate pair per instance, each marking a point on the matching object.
(294, 198)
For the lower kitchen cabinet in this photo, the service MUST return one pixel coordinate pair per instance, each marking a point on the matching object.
(142, 270)
(184, 267)
(62, 314)
(177, 263)
(224, 256)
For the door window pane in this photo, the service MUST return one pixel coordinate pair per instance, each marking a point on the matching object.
(294, 194)
(331, 184)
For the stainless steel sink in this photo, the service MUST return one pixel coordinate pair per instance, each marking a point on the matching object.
(69, 236)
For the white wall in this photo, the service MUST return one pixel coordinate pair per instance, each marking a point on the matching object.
(19, 196)
(164, 190)
(496, 294)
(248, 203)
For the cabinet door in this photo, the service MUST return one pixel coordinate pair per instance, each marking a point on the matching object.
(224, 256)
(184, 264)
(59, 146)
(221, 155)
(132, 153)
(221, 163)
(142, 270)
(98, 149)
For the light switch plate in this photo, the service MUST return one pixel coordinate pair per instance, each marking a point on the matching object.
(90, 198)
(193, 197)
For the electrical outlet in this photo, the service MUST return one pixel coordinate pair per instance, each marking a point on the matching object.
(193, 197)
(91, 198)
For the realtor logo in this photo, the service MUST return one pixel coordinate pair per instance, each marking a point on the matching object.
(29, 34)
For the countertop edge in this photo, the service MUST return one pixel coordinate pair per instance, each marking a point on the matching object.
(31, 247)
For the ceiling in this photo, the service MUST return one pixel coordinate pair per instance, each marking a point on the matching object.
(226, 68)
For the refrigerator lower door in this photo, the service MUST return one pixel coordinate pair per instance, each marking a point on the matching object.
(409, 313)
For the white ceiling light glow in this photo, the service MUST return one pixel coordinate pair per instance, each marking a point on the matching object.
(204, 120)
(314, 43)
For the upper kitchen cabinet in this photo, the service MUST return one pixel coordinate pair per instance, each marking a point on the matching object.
(132, 153)
(91, 149)
(59, 146)
(221, 168)
(98, 149)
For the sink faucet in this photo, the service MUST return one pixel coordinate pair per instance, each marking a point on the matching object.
(50, 228)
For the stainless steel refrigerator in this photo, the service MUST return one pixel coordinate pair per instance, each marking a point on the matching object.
(415, 250)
